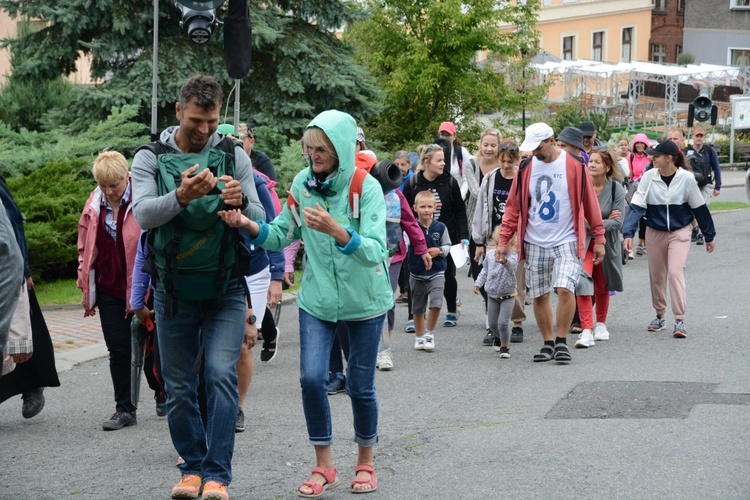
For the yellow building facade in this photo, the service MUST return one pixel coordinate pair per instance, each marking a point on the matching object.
(600, 30)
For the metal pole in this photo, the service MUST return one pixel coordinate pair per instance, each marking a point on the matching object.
(237, 108)
(155, 71)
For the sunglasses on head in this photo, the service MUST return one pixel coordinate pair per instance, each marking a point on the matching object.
(510, 148)
(699, 135)
(600, 148)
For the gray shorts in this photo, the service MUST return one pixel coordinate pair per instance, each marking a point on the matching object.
(422, 291)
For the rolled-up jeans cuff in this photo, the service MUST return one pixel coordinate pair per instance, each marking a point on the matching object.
(372, 441)
(321, 442)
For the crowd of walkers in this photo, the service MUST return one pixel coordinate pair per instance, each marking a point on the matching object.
(166, 243)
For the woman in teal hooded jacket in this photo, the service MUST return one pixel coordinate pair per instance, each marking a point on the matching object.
(345, 280)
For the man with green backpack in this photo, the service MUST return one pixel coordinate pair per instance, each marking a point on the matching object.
(179, 184)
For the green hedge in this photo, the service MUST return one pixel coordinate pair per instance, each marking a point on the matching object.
(52, 198)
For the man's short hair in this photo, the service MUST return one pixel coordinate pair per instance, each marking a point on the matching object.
(110, 166)
(203, 90)
(425, 195)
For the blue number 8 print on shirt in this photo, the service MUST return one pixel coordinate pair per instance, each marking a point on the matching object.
(546, 204)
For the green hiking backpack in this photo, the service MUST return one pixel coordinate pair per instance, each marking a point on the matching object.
(194, 255)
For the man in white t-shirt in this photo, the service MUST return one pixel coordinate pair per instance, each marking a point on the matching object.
(551, 200)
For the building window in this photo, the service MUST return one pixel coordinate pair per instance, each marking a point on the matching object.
(680, 6)
(567, 51)
(597, 45)
(678, 51)
(739, 4)
(658, 53)
(660, 6)
(627, 44)
(739, 57)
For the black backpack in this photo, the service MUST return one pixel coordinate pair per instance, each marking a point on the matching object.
(699, 162)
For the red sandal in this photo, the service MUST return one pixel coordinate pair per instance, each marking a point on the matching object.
(332, 480)
(373, 481)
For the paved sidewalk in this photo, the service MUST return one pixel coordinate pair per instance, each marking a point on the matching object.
(77, 339)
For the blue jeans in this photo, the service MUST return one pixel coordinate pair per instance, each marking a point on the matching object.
(208, 450)
(316, 338)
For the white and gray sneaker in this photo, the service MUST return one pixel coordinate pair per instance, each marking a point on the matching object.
(585, 339)
(601, 332)
(385, 362)
(429, 342)
(658, 325)
(419, 343)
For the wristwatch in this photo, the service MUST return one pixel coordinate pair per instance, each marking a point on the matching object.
(250, 319)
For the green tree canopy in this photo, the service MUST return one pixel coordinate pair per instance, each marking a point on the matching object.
(299, 67)
(422, 53)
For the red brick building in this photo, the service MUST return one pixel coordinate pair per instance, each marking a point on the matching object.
(667, 21)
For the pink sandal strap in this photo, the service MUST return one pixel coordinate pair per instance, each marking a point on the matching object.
(373, 481)
(328, 474)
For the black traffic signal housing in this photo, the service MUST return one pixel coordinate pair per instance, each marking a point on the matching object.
(702, 110)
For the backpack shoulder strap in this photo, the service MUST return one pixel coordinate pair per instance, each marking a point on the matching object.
(156, 147)
(355, 190)
(227, 145)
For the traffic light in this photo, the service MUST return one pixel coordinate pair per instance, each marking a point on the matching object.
(198, 18)
(702, 110)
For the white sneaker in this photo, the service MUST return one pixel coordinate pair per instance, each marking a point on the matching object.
(601, 332)
(631, 256)
(386, 361)
(379, 360)
(585, 339)
(419, 343)
(429, 343)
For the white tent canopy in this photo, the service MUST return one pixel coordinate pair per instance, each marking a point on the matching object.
(611, 80)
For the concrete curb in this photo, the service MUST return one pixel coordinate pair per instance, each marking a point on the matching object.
(67, 360)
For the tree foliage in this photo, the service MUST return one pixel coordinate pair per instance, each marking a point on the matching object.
(23, 152)
(422, 53)
(299, 67)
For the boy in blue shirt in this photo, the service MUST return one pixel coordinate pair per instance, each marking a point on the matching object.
(427, 285)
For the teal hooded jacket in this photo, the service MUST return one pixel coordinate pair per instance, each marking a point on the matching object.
(338, 283)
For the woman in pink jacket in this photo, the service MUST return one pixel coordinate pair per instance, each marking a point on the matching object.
(107, 244)
(638, 161)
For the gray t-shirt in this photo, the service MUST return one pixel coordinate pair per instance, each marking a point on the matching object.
(151, 210)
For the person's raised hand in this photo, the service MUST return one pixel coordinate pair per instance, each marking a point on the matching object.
(232, 192)
(194, 186)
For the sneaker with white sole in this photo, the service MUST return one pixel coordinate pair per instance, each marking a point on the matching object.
(504, 353)
(657, 325)
(601, 332)
(429, 342)
(631, 256)
(585, 339)
(419, 343)
(386, 361)
(409, 328)
(679, 330)
(188, 487)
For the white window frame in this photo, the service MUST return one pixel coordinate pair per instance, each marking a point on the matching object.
(731, 49)
(574, 47)
(663, 53)
(734, 5)
(633, 37)
(659, 5)
(603, 47)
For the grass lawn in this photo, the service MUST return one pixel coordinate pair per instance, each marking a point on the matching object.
(724, 206)
(58, 292)
(63, 292)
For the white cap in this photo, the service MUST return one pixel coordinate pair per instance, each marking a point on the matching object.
(535, 134)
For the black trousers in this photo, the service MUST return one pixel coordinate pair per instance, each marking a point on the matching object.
(116, 330)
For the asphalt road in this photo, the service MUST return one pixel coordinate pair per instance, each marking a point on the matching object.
(640, 416)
